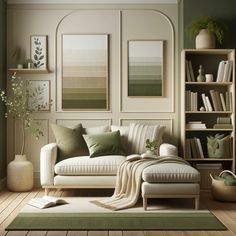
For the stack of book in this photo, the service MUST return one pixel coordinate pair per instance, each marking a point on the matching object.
(223, 123)
(195, 125)
(191, 101)
(218, 102)
(224, 71)
(193, 148)
(189, 71)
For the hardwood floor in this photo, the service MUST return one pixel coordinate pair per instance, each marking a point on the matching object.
(11, 203)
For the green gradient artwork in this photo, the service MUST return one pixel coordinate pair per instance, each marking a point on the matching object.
(145, 68)
(85, 72)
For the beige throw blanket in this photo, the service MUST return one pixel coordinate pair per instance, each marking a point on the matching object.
(129, 179)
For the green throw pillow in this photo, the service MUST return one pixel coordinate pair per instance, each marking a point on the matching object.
(70, 142)
(104, 144)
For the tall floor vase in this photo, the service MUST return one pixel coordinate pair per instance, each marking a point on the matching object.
(20, 174)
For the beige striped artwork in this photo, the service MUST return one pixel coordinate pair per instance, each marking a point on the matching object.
(85, 72)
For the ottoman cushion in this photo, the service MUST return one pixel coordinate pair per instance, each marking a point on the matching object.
(170, 173)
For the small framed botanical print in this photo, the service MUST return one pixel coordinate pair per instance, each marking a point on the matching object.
(38, 51)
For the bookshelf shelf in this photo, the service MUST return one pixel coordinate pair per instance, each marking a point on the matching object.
(207, 130)
(209, 83)
(209, 159)
(208, 112)
(220, 113)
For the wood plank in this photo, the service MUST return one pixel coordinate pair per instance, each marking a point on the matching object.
(4, 195)
(56, 233)
(37, 233)
(13, 210)
(8, 201)
(77, 233)
(154, 233)
(115, 233)
(97, 233)
(17, 233)
(173, 233)
(212, 233)
(133, 233)
(194, 233)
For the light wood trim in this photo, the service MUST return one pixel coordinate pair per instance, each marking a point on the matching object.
(29, 71)
(228, 54)
(195, 196)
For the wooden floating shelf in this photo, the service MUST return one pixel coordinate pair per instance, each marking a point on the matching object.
(29, 71)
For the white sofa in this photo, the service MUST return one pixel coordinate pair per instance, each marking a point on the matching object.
(83, 171)
(168, 180)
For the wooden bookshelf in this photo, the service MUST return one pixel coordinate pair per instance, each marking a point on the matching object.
(209, 59)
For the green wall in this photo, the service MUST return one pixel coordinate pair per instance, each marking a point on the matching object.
(225, 10)
(2, 86)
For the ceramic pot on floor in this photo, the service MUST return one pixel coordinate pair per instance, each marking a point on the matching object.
(20, 174)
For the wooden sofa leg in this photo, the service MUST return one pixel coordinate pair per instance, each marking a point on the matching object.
(47, 190)
(197, 203)
(144, 203)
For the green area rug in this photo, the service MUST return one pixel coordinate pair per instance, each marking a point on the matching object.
(203, 220)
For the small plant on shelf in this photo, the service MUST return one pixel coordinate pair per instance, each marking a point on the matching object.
(211, 24)
(151, 146)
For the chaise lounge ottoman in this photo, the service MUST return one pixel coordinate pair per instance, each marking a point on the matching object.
(170, 180)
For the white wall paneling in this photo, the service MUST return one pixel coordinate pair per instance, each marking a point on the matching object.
(121, 23)
(152, 25)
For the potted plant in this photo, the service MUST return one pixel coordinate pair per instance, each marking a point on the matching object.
(18, 55)
(20, 171)
(151, 146)
(206, 30)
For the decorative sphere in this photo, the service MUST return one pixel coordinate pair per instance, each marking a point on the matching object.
(202, 108)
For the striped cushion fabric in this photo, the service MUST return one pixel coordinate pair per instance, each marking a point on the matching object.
(139, 133)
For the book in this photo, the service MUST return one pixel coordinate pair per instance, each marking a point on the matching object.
(218, 100)
(213, 98)
(205, 102)
(223, 101)
(227, 71)
(223, 120)
(209, 104)
(196, 126)
(200, 148)
(222, 126)
(135, 157)
(188, 76)
(220, 72)
(46, 201)
(191, 71)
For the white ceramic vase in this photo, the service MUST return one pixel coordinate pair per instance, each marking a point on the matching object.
(205, 40)
(20, 174)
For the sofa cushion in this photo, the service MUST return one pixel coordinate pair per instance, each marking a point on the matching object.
(69, 141)
(124, 132)
(103, 165)
(170, 173)
(104, 144)
(139, 133)
(96, 129)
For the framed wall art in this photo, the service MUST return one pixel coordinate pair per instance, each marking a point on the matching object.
(145, 68)
(85, 72)
(38, 51)
(41, 88)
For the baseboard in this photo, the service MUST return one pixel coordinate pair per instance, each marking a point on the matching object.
(3, 183)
